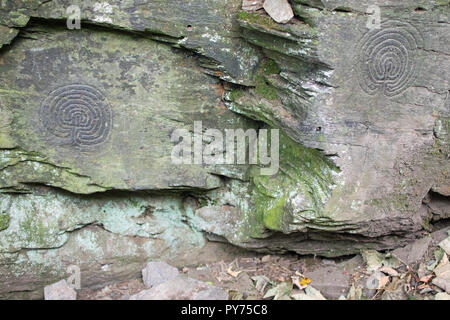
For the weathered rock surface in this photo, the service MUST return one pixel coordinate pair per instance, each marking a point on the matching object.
(364, 119)
(414, 252)
(158, 272)
(182, 288)
(60, 291)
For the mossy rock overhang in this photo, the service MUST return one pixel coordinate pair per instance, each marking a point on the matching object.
(356, 159)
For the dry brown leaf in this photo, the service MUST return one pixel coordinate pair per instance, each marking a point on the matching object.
(232, 273)
(426, 279)
(383, 281)
(422, 286)
(298, 273)
(389, 271)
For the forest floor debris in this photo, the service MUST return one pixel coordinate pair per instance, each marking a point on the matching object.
(422, 273)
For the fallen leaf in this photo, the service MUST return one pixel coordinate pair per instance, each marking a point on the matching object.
(384, 281)
(235, 295)
(354, 293)
(422, 286)
(389, 271)
(280, 292)
(426, 279)
(232, 273)
(305, 281)
(261, 282)
(298, 273)
(302, 282)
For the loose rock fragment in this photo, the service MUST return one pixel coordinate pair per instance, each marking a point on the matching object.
(156, 273)
(389, 271)
(60, 291)
(442, 296)
(279, 10)
(442, 283)
(252, 5)
(445, 245)
(442, 273)
(413, 252)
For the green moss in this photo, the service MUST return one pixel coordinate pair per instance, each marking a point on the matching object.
(270, 67)
(4, 221)
(235, 94)
(254, 18)
(264, 89)
(308, 184)
(274, 216)
(35, 232)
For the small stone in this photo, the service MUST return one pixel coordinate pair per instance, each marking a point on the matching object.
(422, 272)
(414, 252)
(265, 259)
(373, 259)
(445, 245)
(279, 10)
(442, 283)
(426, 290)
(443, 268)
(60, 291)
(442, 296)
(156, 273)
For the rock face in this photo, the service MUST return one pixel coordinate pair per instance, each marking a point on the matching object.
(87, 117)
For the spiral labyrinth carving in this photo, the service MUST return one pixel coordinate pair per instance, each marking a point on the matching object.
(388, 58)
(77, 115)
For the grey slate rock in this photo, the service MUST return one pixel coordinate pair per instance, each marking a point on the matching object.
(279, 10)
(156, 273)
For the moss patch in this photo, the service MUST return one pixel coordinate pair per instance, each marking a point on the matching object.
(264, 89)
(4, 221)
(296, 193)
(270, 67)
(254, 18)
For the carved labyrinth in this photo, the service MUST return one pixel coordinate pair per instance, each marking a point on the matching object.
(77, 115)
(387, 58)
